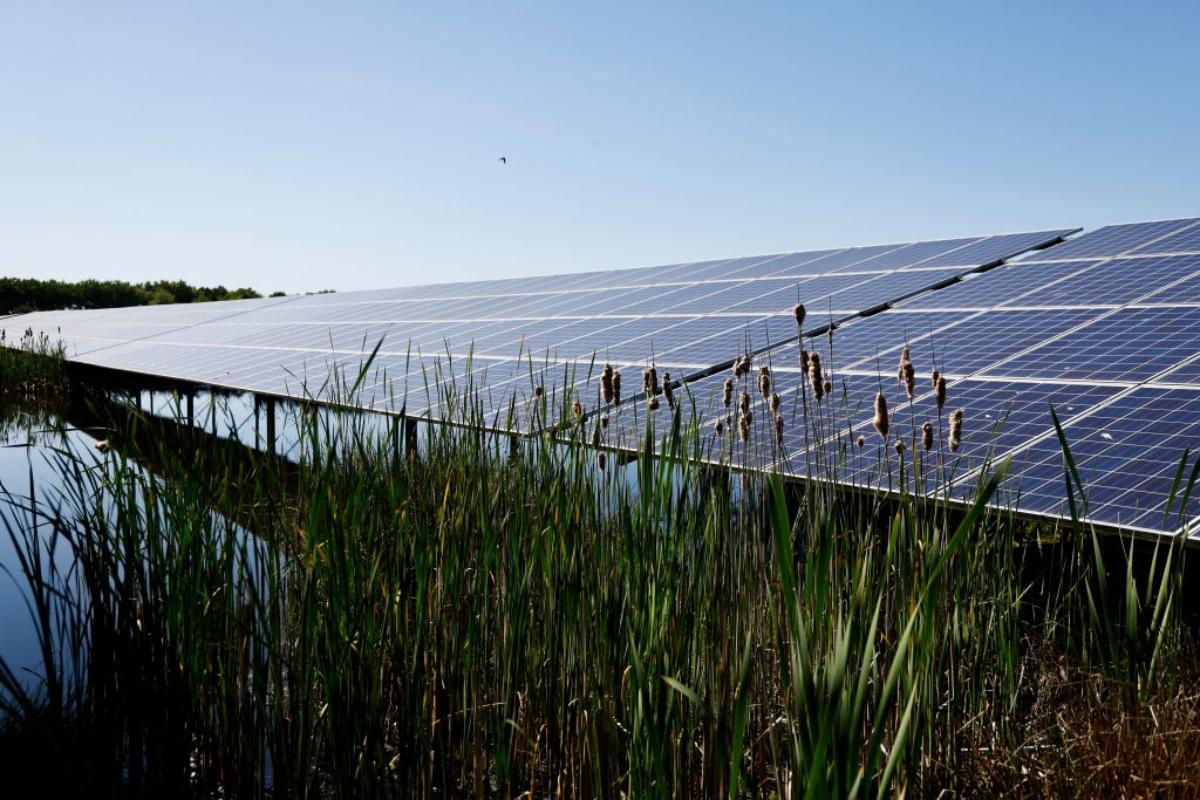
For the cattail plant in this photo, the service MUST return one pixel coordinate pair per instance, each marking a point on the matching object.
(860, 441)
(744, 423)
(927, 435)
(956, 422)
(719, 426)
(650, 381)
(828, 386)
(538, 392)
(815, 377)
(900, 447)
(667, 391)
(934, 378)
(779, 428)
(764, 381)
(798, 314)
(881, 416)
(652, 404)
(727, 392)
(776, 402)
(940, 393)
(616, 386)
(604, 421)
(744, 403)
(577, 410)
(606, 384)
(601, 460)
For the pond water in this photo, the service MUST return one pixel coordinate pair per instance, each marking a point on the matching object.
(29, 439)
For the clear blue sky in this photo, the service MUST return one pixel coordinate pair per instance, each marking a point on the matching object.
(297, 146)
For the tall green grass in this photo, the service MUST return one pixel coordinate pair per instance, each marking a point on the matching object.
(489, 615)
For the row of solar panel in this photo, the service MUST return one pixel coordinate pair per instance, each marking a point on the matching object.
(1124, 378)
(1087, 330)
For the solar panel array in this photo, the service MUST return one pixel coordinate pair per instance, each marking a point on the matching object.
(1104, 326)
(498, 336)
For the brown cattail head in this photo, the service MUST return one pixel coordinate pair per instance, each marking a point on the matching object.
(927, 435)
(860, 441)
(668, 392)
(577, 409)
(538, 391)
(798, 314)
(727, 392)
(744, 402)
(604, 421)
(940, 392)
(814, 375)
(935, 377)
(744, 425)
(956, 422)
(910, 379)
(881, 416)
(764, 380)
(776, 403)
(719, 426)
(653, 403)
(828, 386)
(606, 383)
(779, 428)
(616, 384)
(803, 358)
(900, 448)
(650, 381)
(601, 461)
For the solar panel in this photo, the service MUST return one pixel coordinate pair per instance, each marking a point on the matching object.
(1128, 452)
(1131, 344)
(1115, 240)
(1105, 326)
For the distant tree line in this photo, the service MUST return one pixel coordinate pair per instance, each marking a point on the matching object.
(20, 295)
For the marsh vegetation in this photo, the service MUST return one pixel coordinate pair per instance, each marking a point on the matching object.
(483, 615)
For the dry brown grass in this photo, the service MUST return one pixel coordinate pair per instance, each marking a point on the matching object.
(1079, 734)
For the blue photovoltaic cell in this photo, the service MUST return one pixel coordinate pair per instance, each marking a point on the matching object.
(787, 265)
(891, 287)
(1186, 373)
(1017, 284)
(1127, 345)
(1127, 454)
(998, 416)
(916, 253)
(993, 248)
(853, 258)
(861, 340)
(1113, 240)
(976, 342)
(769, 295)
(1185, 241)
(1115, 282)
(740, 334)
(1183, 292)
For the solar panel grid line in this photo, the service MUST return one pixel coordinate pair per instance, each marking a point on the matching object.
(1114, 240)
(279, 301)
(1167, 238)
(1133, 477)
(1052, 435)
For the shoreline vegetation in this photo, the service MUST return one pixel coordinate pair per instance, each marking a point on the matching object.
(23, 295)
(481, 615)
